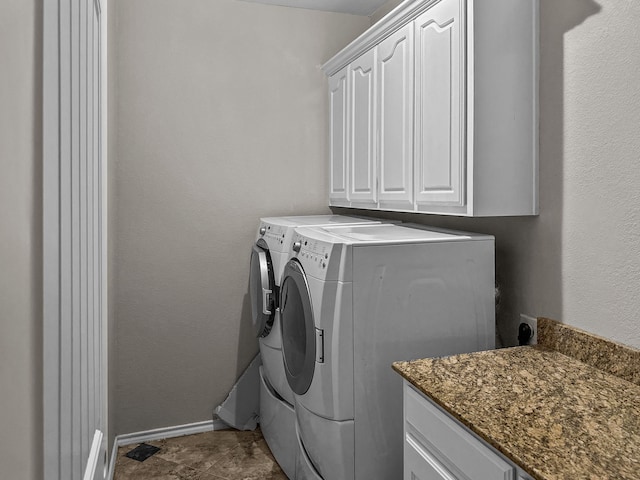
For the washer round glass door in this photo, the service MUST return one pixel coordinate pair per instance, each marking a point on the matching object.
(262, 289)
(298, 328)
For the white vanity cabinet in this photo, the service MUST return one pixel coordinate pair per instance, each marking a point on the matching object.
(437, 447)
(442, 110)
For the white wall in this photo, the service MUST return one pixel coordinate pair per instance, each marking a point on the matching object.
(221, 119)
(579, 261)
(601, 190)
(20, 239)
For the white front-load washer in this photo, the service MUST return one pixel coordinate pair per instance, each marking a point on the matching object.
(353, 300)
(268, 258)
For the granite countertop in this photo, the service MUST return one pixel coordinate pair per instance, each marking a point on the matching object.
(564, 409)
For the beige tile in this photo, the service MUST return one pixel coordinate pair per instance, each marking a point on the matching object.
(157, 469)
(203, 450)
(219, 455)
(128, 469)
(249, 461)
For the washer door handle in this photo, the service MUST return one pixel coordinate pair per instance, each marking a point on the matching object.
(266, 301)
(319, 345)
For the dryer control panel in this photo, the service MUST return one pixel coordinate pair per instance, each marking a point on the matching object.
(315, 255)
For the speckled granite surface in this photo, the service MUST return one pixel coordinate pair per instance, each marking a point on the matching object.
(555, 416)
(618, 360)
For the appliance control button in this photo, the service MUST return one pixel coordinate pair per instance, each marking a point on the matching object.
(296, 246)
(262, 231)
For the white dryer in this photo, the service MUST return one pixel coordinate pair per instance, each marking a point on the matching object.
(268, 258)
(353, 300)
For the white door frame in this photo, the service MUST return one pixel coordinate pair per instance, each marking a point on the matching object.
(63, 452)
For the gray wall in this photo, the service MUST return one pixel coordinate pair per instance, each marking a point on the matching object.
(579, 261)
(20, 239)
(221, 119)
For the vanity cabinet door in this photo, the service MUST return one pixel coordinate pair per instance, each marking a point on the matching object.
(437, 447)
(439, 115)
(419, 464)
(395, 119)
(338, 118)
(362, 130)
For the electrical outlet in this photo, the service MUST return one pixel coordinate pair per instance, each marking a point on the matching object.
(533, 323)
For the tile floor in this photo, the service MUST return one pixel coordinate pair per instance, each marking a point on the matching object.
(219, 455)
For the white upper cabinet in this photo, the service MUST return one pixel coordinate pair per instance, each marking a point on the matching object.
(362, 133)
(439, 114)
(395, 119)
(338, 139)
(443, 118)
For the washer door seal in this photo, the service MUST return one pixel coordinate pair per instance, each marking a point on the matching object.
(298, 328)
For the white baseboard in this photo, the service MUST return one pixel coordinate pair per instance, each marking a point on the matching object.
(112, 460)
(159, 434)
(170, 432)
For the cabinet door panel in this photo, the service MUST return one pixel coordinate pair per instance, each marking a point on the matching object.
(440, 165)
(419, 464)
(362, 136)
(395, 118)
(338, 115)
